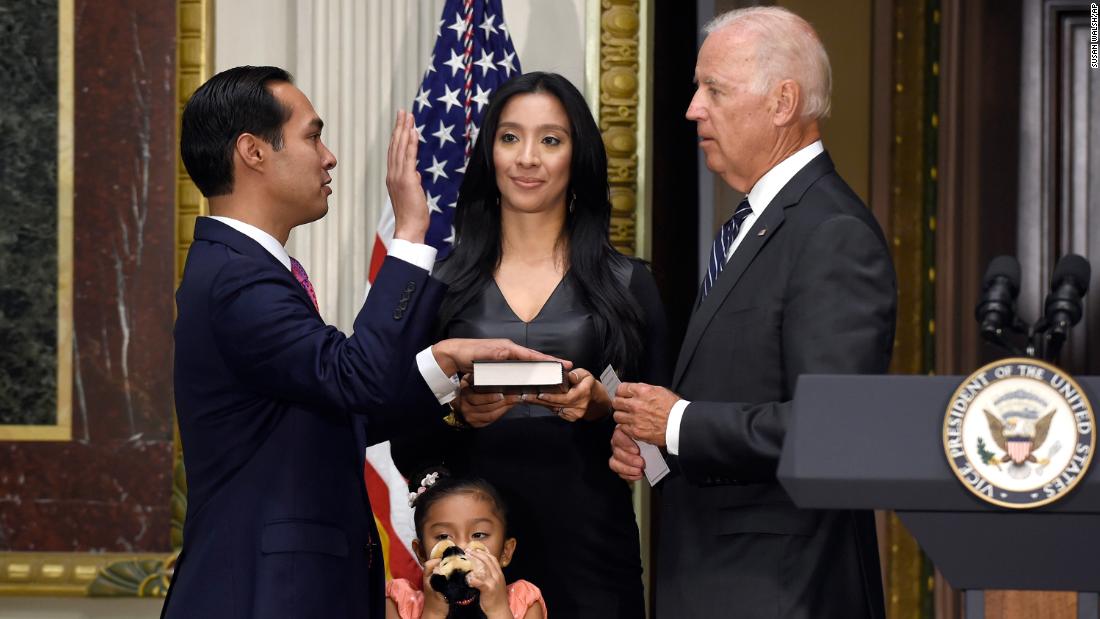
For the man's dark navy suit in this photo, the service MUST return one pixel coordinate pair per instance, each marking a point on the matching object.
(275, 408)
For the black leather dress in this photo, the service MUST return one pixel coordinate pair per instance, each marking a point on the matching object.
(572, 517)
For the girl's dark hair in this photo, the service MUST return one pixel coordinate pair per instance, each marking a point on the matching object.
(447, 486)
(477, 250)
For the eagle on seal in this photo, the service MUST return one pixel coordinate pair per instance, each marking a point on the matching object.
(1018, 436)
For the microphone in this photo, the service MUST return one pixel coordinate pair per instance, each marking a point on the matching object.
(997, 309)
(1068, 285)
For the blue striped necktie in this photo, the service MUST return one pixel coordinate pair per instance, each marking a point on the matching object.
(722, 242)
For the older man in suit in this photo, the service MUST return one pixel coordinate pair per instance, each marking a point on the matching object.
(270, 399)
(799, 281)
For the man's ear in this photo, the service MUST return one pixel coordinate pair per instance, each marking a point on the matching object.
(419, 551)
(250, 150)
(788, 102)
(506, 552)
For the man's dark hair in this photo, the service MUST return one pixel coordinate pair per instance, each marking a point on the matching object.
(232, 102)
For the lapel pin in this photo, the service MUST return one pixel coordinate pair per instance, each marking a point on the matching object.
(762, 232)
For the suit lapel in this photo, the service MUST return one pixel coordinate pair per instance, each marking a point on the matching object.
(214, 231)
(770, 223)
(742, 257)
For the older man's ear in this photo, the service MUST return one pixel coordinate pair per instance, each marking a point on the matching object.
(788, 103)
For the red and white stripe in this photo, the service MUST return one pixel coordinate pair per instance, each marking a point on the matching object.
(468, 84)
(386, 486)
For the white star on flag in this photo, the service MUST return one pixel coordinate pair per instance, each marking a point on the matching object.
(475, 130)
(481, 99)
(459, 26)
(421, 100)
(450, 97)
(504, 29)
(437, 169)
(420, 133)
(456, 63)
(433, 203)
(507, 64)
(486, 62)
(444, 134)
(431, 66)
(450, 239)
(487, 25)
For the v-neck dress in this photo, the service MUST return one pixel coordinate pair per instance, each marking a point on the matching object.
(572, 517)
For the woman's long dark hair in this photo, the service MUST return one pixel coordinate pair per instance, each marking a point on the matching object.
(477, 250)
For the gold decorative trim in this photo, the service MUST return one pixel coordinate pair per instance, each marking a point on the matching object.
(194, 65)
(82, 574)
(906, 584)
(618, 58)
(62, 429)
(623, 89)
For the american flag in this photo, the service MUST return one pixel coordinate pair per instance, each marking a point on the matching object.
(473, 55)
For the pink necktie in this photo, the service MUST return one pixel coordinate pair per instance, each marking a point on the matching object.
(303, 279)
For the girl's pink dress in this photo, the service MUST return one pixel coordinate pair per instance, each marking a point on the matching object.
(410, 602)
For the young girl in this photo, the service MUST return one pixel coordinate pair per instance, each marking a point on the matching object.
(463, 511)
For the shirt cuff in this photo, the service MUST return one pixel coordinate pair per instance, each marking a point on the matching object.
(416, 254)
(444, 387)
(672, 430)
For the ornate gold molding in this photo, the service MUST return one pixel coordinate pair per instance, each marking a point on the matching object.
(618, 60)
(623, 117)
(79, 574)
(912, 225)
(195, 64)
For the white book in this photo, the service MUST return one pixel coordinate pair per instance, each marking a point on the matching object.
(519, 377)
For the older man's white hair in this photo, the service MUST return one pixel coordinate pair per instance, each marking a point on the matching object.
(787, 47)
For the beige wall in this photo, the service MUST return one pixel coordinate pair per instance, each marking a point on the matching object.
(549, 34)
(845, 28)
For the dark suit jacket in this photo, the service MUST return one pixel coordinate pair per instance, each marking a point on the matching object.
(810, 290)
(278, 521)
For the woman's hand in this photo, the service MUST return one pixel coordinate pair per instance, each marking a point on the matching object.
(586, 398)
(488, 578)
(481, 409)
(435, 605)
(410, 206)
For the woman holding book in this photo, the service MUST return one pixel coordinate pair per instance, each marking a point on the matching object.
(533, 263)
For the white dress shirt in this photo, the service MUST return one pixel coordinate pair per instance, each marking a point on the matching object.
(760, 196)
(417, 254)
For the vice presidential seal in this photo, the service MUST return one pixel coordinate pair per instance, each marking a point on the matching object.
(1019, 433)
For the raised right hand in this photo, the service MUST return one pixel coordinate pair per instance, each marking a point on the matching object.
(410, 206)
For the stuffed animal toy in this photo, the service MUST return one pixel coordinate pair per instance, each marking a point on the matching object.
(449, 579)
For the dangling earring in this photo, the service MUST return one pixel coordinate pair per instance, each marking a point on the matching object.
(573, 202)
